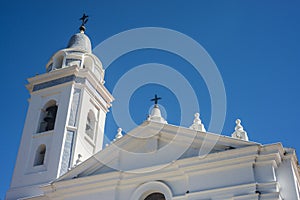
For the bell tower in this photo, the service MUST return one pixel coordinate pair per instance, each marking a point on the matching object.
(65, 119)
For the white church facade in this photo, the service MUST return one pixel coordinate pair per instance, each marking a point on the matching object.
(61, 156)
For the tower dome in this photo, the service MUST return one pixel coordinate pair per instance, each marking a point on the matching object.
(80, 41)
(78, 54)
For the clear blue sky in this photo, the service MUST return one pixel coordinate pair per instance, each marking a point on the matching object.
(255, 45)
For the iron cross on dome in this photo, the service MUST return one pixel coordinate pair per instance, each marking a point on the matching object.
(155, 99)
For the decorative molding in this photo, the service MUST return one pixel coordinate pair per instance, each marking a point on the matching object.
(67, 152)
(74, 107)
(53, 82)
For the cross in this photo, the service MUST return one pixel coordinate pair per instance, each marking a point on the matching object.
(84, 19)
(155, 99)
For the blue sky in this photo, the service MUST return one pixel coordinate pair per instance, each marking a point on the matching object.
(255, 45)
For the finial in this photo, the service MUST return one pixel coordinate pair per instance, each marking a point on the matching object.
(84, 20)
(155, 99)
(119, 134)
(238, 126)
(239, 132)
(197, 124)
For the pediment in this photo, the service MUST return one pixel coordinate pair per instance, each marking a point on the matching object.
(152, 146)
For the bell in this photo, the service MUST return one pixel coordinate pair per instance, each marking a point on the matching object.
(50, 117)
(51, 114)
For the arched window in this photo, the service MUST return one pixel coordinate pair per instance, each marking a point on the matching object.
(155, 196)
(48, 116)
(73, 62)
(50, 67)
(90, 124)
(40, 155)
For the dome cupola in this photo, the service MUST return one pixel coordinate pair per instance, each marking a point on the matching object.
(80, 41)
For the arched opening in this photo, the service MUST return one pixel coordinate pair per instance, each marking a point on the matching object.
(155, 196)
(40, 155)
(49, 67)
(71, 62)
(152, 190)
(48, 116)
(90, 124)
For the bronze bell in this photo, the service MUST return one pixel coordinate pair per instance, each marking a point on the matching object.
(51, 114)
(50, 118)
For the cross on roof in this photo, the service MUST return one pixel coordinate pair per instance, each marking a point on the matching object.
(155, 99)
(84, 19)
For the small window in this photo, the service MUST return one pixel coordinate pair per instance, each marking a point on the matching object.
(48, 116)
(49, 68)
(90, 124)
(40, 155)
(73, 62)
(155, 196)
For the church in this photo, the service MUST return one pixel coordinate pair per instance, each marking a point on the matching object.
(61, 155)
